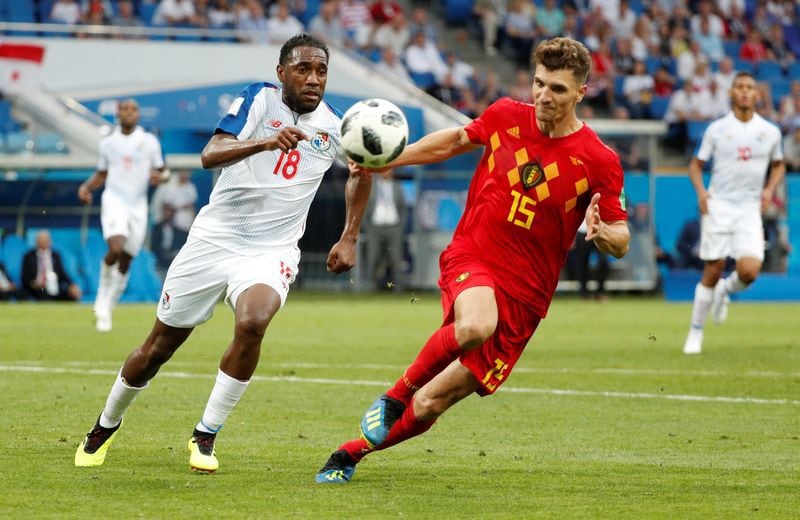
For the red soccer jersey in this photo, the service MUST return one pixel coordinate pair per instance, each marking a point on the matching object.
(528, 196)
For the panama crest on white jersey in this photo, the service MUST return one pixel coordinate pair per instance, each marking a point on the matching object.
(128, 159)
(742, 152)
(262, 202)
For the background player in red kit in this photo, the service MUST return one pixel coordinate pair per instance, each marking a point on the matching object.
(543, 171)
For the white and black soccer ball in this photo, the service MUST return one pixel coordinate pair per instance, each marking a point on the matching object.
(374, 132)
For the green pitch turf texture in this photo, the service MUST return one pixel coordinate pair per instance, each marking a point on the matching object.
(603, 417)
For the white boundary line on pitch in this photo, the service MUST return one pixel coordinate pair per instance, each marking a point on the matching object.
(517, 369)
(513, 390)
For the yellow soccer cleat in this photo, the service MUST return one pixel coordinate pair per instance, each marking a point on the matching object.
(202, 456)
(92, 450)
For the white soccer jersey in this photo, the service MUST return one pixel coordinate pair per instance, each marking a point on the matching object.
(128, 159)
(742, 152)
(262, 202)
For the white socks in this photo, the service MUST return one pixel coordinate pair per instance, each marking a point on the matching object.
(226, 393)
(733, 284)
(119, 282)
(102, 302)
(702, 303)
(120, 397)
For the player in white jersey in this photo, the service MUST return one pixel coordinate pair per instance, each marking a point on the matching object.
(273, 146)
(129, 159)
(743, 146)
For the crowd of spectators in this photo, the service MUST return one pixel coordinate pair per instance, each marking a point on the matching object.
(662, 59)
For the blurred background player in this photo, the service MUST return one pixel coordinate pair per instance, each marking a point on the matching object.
(129, 160)
(743, 146)
(274, 147)
(499, 273)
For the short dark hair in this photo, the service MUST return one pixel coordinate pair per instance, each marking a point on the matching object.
(301, 40)
(743, 74)
(564, 53)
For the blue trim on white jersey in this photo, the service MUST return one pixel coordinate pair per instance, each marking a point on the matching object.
(334, 110)
(233, 123)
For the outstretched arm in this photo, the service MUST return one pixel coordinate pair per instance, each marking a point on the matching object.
(224, 149)
(612, 238)
(436, 147)
(342, 256)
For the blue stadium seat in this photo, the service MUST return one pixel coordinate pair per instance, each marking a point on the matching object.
(457, 12)
(18, 142)
(146, 12)
(21, 12)
(731, 48)
(658, 106)
(743, 65)
(49, 142)
(66, 239)
(767, 70)
(70, 262)
(695, 129)
(793, 71)
(423, 80)
(780, 87)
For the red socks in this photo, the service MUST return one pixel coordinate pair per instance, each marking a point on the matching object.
(440, 350)
(406, 427)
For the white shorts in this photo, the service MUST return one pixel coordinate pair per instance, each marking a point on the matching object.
(730, 229)
(203, 274)
(119, 219)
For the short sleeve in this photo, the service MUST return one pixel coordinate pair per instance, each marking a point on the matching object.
(707, 142)
(610, 185)
(777, 149)
(156, 157)
(244, 113)
(102, 156)
(484, 126)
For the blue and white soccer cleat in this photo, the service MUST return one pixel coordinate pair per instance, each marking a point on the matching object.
(379, 419)
(338, 470)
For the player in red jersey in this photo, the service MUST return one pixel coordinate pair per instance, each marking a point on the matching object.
(543, 171)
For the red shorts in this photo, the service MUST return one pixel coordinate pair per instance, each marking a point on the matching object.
(492, 362)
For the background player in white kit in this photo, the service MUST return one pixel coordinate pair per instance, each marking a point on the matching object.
(743, 146)
(129, 159)
(274, 146)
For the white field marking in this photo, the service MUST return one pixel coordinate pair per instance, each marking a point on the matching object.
(356, 382)
(517, 370)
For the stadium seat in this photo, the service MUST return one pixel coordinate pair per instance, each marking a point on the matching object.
(743, 65)
(732, 48)
(423, 80)
(780, 87)
(794, 71)
(18, 142)
(144, 284)
(695, 129)
(658, 106)
(49, 142)
(768, 70)
(457, 12)
(67, 239)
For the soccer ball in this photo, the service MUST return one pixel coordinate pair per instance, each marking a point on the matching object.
(374, 132)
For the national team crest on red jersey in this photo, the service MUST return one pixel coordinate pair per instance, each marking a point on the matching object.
(532, 175)
(321, 141)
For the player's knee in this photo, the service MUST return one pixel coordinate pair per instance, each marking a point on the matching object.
(475, 331)
(251, 327)
(747, 276)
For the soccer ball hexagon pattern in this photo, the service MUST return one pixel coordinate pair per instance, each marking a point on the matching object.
(374, 132)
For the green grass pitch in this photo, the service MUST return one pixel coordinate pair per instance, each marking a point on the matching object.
(603, 417)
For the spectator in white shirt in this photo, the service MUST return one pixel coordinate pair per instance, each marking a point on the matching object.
(393, 34)
(65, 11)
(326, 25)
(283, 25)
(175, 12)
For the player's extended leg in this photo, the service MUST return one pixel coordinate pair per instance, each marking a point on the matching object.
(103, 303)
(120, 278)
(746, 272)
(450, 386)
(255, 308)
(703, 297)
(475, 321)
(141, 366)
